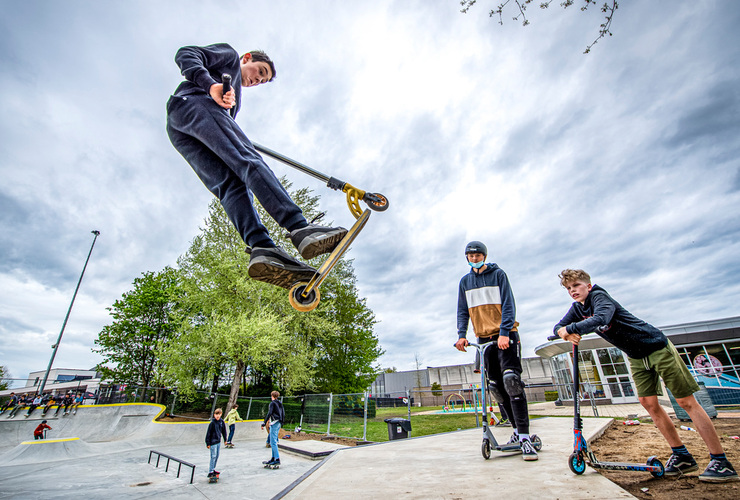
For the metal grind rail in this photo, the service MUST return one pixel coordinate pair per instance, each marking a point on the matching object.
(169, 457)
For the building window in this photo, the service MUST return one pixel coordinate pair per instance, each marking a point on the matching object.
(590, 378)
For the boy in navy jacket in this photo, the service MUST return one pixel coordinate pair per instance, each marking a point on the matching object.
(216, 431)
(201, 125)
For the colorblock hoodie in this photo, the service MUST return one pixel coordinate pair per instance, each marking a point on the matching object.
(603, 315)
(486, 299)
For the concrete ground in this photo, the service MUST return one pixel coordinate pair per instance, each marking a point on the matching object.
(109, 460)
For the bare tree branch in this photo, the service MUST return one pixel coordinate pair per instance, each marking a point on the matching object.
(521, 5)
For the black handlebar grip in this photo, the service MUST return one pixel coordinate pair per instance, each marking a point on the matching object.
(553, 337)
(226, 80)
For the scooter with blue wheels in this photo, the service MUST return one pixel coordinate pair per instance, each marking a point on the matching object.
(489, 440)
(582, 454)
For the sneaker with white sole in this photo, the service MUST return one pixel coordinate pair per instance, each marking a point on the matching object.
(680, 464)
(277, 267)
(719, 471)
(314, 240)
(528, 452)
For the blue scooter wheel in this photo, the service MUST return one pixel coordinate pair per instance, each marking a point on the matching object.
(576, 463)
(654, 462)
(485, 449)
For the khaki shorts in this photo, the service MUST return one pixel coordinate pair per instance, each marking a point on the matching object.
(668, 365)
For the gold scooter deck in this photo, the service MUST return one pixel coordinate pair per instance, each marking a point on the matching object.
(305, 296)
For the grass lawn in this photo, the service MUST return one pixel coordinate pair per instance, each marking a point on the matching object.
(421, 425)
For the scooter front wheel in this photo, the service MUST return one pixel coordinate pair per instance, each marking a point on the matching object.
(301, 303)
(485, 449)
(376, 201)
(576, 463)
(536, 442)
(654, 462)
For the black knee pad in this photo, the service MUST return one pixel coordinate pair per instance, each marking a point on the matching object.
(496, 392)
(513, 384)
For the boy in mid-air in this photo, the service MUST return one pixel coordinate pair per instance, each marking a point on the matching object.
(201, 125)
(652, 357)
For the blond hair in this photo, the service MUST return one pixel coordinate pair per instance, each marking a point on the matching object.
(275, 394)
(568, 276)
(218, 411)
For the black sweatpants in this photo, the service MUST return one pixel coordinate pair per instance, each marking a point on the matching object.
(498, 361)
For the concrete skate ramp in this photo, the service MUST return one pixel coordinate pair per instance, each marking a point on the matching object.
(52, 450)
(102, 429)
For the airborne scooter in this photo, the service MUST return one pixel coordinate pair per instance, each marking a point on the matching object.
(489, 440)
(582, 454)
(305, 296)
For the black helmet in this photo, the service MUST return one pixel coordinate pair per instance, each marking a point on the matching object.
(476, 247)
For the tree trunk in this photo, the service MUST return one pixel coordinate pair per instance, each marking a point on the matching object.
(235, 385)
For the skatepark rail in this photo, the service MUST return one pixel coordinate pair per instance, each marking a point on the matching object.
(170, 457)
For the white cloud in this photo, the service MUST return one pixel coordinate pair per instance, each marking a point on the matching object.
(623, 161)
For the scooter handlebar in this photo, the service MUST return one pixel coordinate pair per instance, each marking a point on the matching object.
(226, 80)
(553, 337)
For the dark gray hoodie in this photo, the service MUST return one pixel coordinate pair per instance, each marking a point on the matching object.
(603, 315)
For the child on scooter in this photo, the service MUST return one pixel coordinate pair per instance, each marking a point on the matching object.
(652, 357)
(201, 126)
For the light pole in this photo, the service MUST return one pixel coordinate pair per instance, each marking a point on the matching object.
(59, 339)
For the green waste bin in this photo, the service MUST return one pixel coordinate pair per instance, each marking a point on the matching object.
(398, 428)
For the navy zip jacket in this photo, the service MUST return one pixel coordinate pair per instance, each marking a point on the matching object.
(216, 430)
(275, 412)
(486, 299)
(203, 66)
(632, 335)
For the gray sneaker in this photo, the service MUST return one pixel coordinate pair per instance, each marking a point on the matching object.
(718, 471)
(528, 452)
(680, 464)
(277, 267)
(314, 240)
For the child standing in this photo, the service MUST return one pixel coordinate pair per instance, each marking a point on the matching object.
(652, 357)
(231, 419)
(485, 299)
(201, 125)
(274, 420)
(216, 431)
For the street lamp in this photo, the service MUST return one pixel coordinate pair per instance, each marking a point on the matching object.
(59, 339)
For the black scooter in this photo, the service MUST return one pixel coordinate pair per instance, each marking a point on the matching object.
(489, 441)
(582, 454)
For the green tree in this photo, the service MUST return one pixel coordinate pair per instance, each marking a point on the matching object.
(4, 378)
(143, 321)
(230, 320)
(609, 8)
(345, 360)
(436, 389)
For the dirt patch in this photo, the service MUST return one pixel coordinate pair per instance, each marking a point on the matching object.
(195, 417)
(623, 443)
(302, 436)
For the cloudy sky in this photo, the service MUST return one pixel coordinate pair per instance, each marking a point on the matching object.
(624, 161)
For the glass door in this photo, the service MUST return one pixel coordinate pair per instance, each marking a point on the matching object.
(617, 378)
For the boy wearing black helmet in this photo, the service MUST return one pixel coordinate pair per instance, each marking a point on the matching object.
(485, 299)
